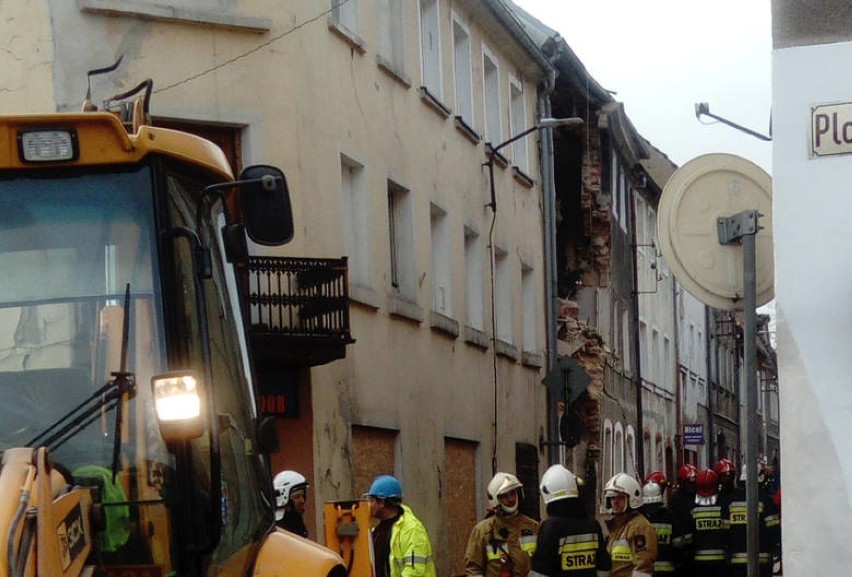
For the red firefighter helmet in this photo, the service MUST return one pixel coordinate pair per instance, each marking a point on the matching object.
(686, 473)
(658, 478)
(725, 466)
(706, 482)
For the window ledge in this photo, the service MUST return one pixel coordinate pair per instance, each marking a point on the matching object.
(476, 337)
(522, 177)
(156, 12)
(444, 324)
(434, 102)
(388, 68)
(353, 40)
(405, 309)
(499, 159)
(507, 350)
(467, 131)
(531, 359)
(364, 295)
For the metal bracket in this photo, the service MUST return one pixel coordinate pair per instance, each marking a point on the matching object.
(732, 228)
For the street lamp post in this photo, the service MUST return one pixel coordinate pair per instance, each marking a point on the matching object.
(494, 149)
(542, 123)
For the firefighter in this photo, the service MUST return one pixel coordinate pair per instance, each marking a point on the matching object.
(654, 508)
(570, 542)
(683, 500)
(502, 544)
(727, 473)
(401, 543)
(709, 528)
(660, 479)
(632, 541)
(290, 496)
(769, 530)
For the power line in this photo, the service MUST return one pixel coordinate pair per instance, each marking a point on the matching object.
(253, 50)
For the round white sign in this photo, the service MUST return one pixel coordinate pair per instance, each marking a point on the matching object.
(698, 194)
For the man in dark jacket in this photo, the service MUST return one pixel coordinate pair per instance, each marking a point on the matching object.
(290, 496)
(570, 543)
(662, 519)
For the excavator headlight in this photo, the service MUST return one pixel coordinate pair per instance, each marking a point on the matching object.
(47, 145)
(177, 400)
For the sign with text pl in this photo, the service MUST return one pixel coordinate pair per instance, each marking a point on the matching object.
(693, 434)
(831, 129)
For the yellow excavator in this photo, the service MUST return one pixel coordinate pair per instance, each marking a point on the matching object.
(130, 436)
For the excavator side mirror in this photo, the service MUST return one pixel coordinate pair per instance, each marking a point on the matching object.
(265, 202)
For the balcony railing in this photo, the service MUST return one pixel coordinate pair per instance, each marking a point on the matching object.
(298, 308)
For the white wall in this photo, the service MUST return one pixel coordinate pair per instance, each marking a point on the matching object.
(813, 267)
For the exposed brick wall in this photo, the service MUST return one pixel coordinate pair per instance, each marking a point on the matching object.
(597, 214)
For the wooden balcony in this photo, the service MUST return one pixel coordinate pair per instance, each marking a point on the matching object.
(298, 310)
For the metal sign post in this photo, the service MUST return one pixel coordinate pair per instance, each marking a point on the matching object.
(743, 227)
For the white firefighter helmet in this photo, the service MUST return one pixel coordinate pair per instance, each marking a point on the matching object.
(624, 484)
(558, 483)
(501, 484)
(285, 483)
(652, 493)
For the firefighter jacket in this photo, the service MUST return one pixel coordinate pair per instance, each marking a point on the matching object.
(292, 521)
(632, 545)
(501, 546)
(570, 544)
(410, 549)
(682, 503)
(769, 527)
(663, 521)
(710, 533)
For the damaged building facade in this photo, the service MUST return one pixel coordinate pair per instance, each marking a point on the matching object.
(663, 378)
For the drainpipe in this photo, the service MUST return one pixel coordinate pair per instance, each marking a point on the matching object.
(548, 190)
(637, 348)
(712, 346)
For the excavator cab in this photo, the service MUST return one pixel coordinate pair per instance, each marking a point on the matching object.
(128, 416)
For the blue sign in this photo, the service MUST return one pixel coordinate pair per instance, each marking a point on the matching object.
(693, 434)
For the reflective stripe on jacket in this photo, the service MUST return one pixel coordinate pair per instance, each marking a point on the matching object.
(410, 548)
(498, 541)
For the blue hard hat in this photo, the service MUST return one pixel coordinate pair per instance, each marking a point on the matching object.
(384, 487)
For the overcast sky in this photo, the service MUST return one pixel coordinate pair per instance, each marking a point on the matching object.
(661, 57)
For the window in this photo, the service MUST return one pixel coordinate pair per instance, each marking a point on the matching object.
(641, 218)
(630, 452)
(625, 340)
(400, 240)
(355, 217)
(655, 358)
(441, 272)
(618, 450)
(502, 296)
(606, 459)
(474, 305)
(530, 309)
(518, 120)
(463, 68)
(643, 349)
(668, 365)
(430, 46)
(491, 96)
(391, 35)
(345, 13)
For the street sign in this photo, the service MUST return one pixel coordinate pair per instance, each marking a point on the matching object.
(831, 129)
(567, 381)
(693, 434)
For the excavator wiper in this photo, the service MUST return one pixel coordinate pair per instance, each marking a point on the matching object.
(105, 399)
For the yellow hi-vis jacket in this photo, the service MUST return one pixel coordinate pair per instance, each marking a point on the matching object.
(410, 548)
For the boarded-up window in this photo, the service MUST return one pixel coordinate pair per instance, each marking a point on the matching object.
(374, 451)
(460, 492)
(526, 460)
